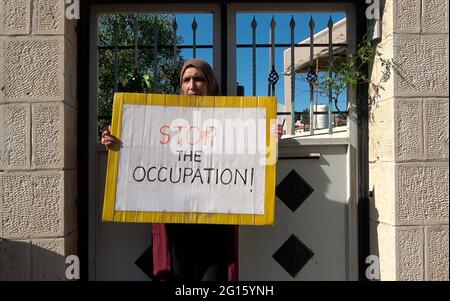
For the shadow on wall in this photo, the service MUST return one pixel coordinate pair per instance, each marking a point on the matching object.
(373, 271)
(24, 260)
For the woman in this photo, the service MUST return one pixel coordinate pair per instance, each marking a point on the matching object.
(191, 251)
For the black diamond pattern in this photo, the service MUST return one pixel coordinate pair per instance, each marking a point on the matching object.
(293, 255)
(273, 77)
(293, 190)
(145, 263)
(311, 77)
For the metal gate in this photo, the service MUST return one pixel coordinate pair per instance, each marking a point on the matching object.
(315, 233)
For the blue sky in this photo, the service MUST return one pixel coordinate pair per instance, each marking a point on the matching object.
(244, 55)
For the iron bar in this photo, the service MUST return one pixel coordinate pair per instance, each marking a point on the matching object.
(273, 75)
(315, 113)
(116, 55)
(311, 83)
(106, 47)
(273, 25)
(194, 38)
(292, 25)
(136, 43)
(288, 45)
(254, 24)
(330, 74)
(174, 78)
(174, 38)
(155, 55)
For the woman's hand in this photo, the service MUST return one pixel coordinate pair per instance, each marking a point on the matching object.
(277, 130)
(107, 139)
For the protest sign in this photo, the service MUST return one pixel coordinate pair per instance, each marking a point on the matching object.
(191, 159)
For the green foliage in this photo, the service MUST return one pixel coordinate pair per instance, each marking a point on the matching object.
(351, 71)
(135, 73)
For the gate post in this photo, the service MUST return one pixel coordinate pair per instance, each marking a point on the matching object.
(38, 124)
(408, 144)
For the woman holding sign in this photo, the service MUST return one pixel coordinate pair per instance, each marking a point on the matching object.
(193, 251)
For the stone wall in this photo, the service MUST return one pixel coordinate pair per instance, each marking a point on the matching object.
(38, 139)
(408, 144)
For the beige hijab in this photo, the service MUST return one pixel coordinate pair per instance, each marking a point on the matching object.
(211, 81)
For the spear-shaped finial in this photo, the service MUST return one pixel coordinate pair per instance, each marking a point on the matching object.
(254, 24)
(292, 23)
(311, 23)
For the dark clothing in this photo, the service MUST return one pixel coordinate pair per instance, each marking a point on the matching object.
(200, 252)
(194, 252)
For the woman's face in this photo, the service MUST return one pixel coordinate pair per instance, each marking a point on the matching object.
(193, 82)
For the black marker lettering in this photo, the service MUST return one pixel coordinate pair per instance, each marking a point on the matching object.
(134, 174)
(179, 177)
(221, 176)
(148, 174)
(159, 174)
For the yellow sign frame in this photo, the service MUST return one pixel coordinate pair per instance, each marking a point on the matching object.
(120, 99)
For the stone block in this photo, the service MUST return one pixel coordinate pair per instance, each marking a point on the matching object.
(71, 243)
(387, 19)
(48, 16)
(408, 130)
(70, 137)
(15, 260)
(48, 135)
(436, 253)
(421, 65)
(382, 207)
(382, 244)
(409, 253)
(373, 142)
(14, 136)
(71, 31)
(422, 194)
(373, 170)
(52, 125)
(31, 68)
(15, 17)
(435, 16)
(70, 201)
(32, 204)
(436, 128)
(406, 16)
(373, 178)
(49, 262)
(381, 75)
(70, 73)
(49, 257)
(381, 131)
